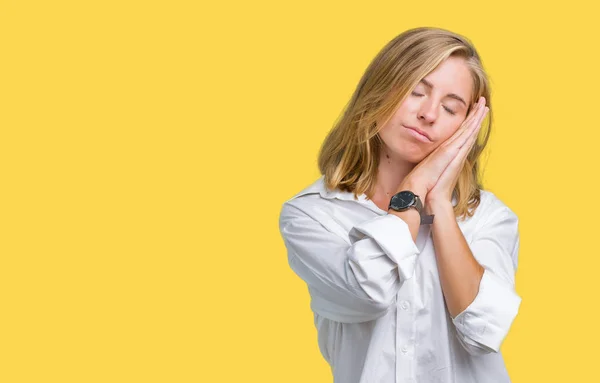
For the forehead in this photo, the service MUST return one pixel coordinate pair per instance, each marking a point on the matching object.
(451, 76)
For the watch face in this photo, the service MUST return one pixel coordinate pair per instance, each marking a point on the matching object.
(403, 200)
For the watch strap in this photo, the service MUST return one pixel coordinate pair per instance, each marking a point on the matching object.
(425, 219)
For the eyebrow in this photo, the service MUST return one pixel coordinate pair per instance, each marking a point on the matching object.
(451, 95)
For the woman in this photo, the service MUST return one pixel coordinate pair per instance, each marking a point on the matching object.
(402, 293)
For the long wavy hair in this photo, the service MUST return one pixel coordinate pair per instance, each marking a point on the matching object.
(349, 156)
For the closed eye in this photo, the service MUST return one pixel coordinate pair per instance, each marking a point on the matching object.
(447, 109)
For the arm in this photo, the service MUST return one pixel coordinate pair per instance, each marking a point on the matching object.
(412, 219)
(349, 281)
(478, 279)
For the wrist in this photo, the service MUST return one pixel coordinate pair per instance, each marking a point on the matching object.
(415, 189)
(438, 205)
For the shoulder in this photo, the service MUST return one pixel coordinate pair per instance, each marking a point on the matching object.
(316, 189)
(313, 213)
(499, 225)
(492, 206)
(302, 202)
(319, 207)
(312, 196)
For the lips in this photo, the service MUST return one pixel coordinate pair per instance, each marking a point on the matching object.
(419, 131)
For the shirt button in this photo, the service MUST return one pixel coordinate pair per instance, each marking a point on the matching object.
(405, 305)
(404, 350)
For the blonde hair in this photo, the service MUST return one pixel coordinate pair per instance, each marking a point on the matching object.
(349, 156)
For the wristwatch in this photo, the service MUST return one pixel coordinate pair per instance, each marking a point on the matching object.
(406, 199)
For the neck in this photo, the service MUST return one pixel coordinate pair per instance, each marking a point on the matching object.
(390, 174)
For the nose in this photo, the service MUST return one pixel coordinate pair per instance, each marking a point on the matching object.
(428, 111)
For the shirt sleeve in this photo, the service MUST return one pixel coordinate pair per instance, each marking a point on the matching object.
(483, 325)
(349, 281)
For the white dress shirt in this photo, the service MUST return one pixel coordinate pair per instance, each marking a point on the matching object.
(376, 296)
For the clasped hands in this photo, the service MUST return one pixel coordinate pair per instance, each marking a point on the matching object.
(435, 176)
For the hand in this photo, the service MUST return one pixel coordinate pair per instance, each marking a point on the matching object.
(448, 156)
(442, 190)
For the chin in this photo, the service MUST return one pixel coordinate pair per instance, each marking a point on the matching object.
(411, 154)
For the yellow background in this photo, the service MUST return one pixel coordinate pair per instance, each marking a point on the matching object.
(146, 148)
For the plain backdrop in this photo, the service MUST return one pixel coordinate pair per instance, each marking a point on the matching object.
(146, 148)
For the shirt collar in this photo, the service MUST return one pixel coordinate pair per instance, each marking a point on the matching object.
(319, 187)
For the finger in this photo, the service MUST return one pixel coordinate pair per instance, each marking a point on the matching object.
(473, 127)
(473, 112)
(452, 149)
(462, 130)
(459, 159)
(473, 137)
(467, 123)
(458, 162)
(438, 162)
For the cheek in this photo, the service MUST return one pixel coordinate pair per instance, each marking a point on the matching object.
(451, 130)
